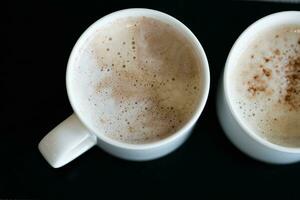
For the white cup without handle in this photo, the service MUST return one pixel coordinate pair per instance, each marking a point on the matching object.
(74, 136)
(242, 137)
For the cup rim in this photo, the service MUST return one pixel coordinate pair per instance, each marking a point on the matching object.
(202, 101)
(241, 123)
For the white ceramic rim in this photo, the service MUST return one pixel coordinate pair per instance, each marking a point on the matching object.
(205, 70)
(247, 130)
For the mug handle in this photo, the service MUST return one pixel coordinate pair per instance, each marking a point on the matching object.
(66, 142)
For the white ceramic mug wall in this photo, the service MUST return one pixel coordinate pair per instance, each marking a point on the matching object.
(242, 137)
(74, 136)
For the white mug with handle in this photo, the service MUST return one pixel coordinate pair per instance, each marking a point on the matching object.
(75, 135)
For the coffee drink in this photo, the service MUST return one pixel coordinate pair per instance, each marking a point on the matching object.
(265, 85)
(138, 80)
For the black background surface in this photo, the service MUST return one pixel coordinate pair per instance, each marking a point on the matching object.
(37, 38)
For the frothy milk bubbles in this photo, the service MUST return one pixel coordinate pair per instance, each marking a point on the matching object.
(139, 80)
(265, 87)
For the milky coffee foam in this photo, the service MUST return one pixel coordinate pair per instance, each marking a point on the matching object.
(138, 80)
(266, 85)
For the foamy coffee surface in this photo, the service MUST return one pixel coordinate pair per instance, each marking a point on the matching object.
(138, 80)
(266, 85)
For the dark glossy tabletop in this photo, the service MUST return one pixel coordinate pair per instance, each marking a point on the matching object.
(38, 38)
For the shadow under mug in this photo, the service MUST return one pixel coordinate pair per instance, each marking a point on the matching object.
(238, 133)
(75, 135)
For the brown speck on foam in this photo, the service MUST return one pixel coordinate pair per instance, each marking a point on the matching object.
(277, 52)
(256, 85)
(267, 59)
(292, 74)
(267, 72)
